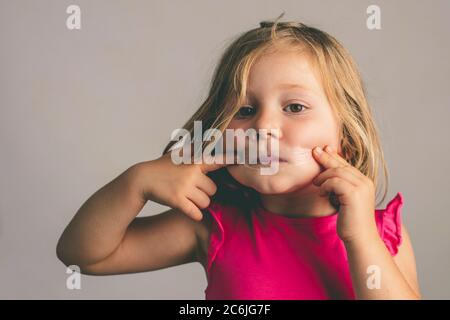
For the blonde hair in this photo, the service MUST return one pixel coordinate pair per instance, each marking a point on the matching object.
(341, 81)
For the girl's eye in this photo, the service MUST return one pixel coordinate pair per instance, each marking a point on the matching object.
(295, 108)
(245, 111)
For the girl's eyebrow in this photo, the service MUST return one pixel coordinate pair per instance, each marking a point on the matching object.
(286, 86)
(294, 86)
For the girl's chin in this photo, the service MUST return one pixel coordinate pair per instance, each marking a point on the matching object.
(284, 181)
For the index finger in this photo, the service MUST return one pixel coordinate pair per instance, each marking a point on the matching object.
(325, 159)
(337, 156)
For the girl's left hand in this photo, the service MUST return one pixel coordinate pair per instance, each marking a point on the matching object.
(355, 193)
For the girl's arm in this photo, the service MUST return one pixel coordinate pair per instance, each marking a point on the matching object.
(356, 226)
(105, 237)
(398, 278)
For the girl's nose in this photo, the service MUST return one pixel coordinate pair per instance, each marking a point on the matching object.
(269, 120)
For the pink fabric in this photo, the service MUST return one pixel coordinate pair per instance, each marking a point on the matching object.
(267, 256)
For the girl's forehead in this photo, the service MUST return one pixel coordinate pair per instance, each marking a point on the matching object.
(283, 71)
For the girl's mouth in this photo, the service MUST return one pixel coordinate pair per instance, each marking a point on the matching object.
(266, 162)
(269, 160)
(288, 156)
(294, 157)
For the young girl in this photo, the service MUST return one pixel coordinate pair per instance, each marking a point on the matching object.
(310, 231)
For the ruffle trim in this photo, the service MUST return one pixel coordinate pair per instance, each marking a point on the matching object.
(389, 223)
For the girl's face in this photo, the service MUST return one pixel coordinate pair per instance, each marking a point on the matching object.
(284, 93)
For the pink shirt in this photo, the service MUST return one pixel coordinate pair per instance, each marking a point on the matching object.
(266, 256)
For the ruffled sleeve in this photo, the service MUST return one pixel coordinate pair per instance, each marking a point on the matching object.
(389, 223)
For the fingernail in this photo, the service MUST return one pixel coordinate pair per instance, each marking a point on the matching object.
(328, 149)
(319, 150)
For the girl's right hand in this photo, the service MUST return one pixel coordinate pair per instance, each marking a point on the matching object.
(184, 187)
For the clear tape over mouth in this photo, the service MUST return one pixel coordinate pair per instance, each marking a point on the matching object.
(294, 156)
(301, 156)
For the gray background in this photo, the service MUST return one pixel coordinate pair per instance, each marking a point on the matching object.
(79, 107)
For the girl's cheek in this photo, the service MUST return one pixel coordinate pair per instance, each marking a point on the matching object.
(309, 139)
(318, 129)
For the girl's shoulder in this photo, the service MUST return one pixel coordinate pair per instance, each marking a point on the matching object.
(218, 218)
(210, 229)
(222, 213)
(203, 235)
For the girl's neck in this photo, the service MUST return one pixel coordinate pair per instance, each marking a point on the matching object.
(304, 202)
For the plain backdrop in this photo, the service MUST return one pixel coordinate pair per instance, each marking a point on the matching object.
(78, 107)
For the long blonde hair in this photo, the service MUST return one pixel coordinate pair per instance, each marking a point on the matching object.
(341, 80)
